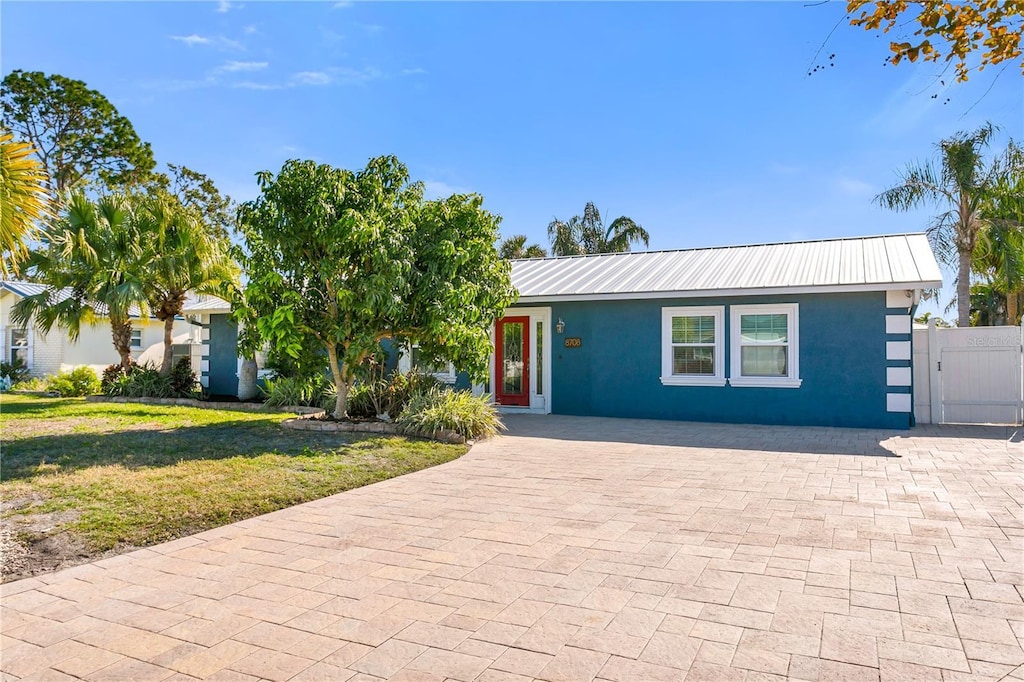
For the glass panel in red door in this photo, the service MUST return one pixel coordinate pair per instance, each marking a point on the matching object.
(512, 361)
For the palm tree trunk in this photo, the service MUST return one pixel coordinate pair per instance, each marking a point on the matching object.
(165, 363)
(121, 332)
(963, 289)
(1012, 308)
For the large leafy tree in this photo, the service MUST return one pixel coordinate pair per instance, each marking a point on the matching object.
(78, 135)
(353, 257)
(587, 234)
(181, 255)
(960, 188)
(22, 201)
(952, 31)
(95, 265)
(516, 247)
(197, 192)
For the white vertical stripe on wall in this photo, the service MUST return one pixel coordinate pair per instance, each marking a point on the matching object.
(897, 350)
(897, 376)
(897, 324)
(897, 402)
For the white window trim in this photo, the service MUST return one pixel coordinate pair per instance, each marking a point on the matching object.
(792, 312)
(670, 379)
(132, 345)
(405, 366)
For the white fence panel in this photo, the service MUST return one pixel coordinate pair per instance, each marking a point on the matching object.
(969, 375)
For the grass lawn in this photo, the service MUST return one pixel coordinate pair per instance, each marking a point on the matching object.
(86, 478)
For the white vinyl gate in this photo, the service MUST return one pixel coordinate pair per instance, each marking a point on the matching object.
(968, 375)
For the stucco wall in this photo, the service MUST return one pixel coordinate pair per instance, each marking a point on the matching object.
(617, 369)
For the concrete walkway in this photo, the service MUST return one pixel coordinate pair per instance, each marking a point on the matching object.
(578, 549)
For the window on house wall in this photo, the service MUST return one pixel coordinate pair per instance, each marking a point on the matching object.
(693, 346)
(19, 345)
(136, 339)
(442, 371)
(765, 345)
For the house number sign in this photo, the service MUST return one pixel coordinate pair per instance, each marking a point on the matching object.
(573, 342)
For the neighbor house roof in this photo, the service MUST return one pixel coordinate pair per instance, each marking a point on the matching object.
(24, 289)
(205, 304)
(902, 261)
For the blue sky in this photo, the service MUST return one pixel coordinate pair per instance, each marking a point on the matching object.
(698, 120)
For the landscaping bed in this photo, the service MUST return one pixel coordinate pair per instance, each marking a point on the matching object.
(82, 479)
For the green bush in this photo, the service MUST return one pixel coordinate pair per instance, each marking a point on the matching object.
(16, 371)
(78, 382)
(36, 384)
(388, 395)
(459, 411)
(142, 381)
(315, 391)
(112, 373)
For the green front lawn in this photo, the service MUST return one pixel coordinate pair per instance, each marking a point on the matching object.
(130, 475)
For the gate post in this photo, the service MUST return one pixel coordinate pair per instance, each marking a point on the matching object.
(934, 384)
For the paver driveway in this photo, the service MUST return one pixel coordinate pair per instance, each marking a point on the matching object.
(578, 549)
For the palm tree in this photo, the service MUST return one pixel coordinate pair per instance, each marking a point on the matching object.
(23, 201)
(182, 254)
(515, 247)
(999, 254)
(94, 264)
(961, 186)
(587, 234)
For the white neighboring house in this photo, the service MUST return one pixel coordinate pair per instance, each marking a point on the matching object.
(55, 352)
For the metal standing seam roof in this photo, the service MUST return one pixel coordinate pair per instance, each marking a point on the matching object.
(902, 261)
(192, 305)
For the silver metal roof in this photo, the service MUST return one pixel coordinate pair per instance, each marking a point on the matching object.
(901, 261)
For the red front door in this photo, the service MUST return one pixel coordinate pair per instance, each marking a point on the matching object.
(512, 361)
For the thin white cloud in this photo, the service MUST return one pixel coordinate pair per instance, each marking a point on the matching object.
(414, 72)
(311, 78)
(343, 4)
(854, 187)
(346, 75)
(436, 189)
(250, 30)
(218, 42)
(225, 6)
(251, 85)
(236, 67)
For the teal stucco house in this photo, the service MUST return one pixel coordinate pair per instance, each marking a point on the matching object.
(807, 333)
(797, 333)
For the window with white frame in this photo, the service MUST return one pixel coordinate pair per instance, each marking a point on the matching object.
(765, 347)
(444, 371)
(136, 339)
(19, 345)
(693, 346)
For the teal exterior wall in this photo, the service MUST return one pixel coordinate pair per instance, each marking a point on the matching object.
(616, 372)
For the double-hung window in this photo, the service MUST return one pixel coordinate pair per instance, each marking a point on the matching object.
(765, 348)
(412, 359)
(693, 346)
(136, 339)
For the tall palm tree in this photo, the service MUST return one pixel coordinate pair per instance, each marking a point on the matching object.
(515, 247)
(961, 187)
(182, 254)
(587, 234)
(95, 266)
(999, 254)
(23, 201)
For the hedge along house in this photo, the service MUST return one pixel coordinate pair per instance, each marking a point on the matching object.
(808, 333)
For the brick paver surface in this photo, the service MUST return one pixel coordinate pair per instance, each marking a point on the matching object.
(578, 549)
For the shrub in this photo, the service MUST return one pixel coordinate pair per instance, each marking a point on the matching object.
(459, 411)
(388, 395)
(141, 381)
(78, 382)
(16, 371)
(309, 391)
(112, 373)
(183, 380)
(37, 385)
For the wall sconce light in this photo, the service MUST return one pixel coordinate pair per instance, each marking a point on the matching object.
(560, 327)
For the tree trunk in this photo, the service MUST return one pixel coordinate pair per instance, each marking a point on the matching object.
(1012, 308)
(343, 386)
(963, 289)
(165, 364)
(247, 379)
(121, 332)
